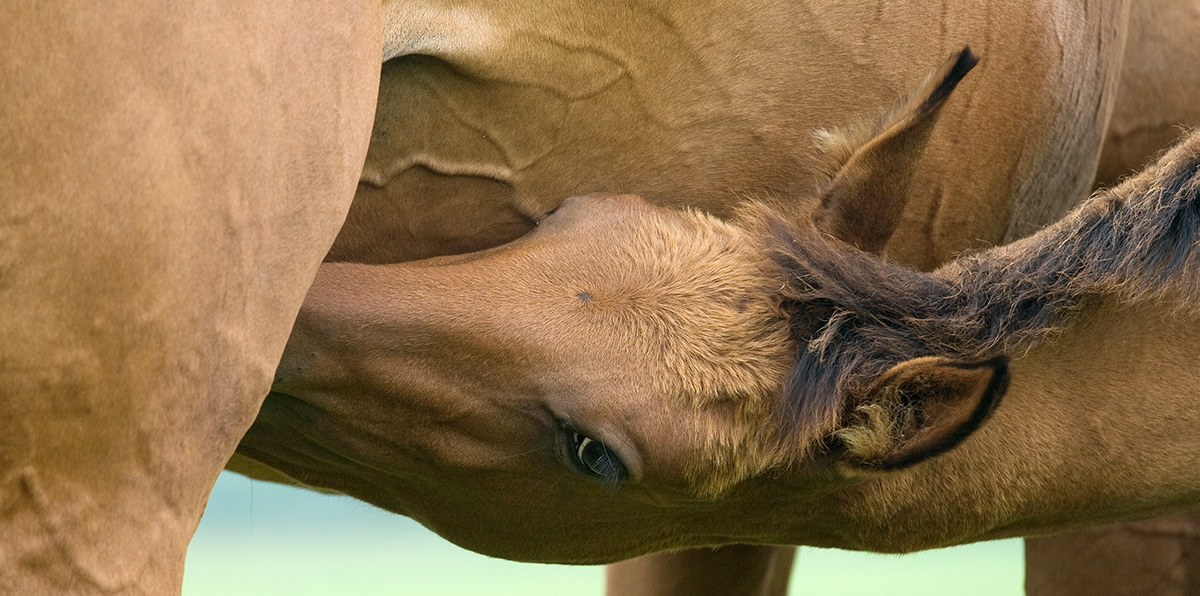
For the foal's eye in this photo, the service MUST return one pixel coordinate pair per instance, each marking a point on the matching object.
(595, 459)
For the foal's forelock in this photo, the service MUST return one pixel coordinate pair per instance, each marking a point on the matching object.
(854, 316)
(851, 316)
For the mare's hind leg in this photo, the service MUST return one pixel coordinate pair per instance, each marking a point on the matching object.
(736, 570)
(1156, 557)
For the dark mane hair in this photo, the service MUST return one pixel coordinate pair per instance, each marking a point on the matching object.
(854, 316)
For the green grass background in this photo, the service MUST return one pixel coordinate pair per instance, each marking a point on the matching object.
(262, 539)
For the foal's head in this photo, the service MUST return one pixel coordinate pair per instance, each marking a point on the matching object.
(622, 371)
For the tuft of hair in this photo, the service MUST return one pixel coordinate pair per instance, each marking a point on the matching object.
(854, 316)
(1137, 240)
(871, 433)
(850, 315)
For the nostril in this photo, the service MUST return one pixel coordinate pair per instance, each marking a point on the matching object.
(567, 205)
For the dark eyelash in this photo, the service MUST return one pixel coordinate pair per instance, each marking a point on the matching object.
(616, 470)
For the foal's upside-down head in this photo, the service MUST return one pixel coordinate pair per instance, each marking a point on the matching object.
(626, 370)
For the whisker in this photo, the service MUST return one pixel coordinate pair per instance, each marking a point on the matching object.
(539, 482)
(530, 489)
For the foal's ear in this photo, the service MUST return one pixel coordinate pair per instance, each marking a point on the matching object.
(921, 408)
(866, 196)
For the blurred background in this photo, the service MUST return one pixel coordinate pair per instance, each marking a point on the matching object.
(264, 539)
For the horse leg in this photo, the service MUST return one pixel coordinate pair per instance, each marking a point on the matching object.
(1156, 557)
(734, 570)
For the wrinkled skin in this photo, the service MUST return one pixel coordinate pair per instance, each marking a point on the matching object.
(272, 235)
(491, 114)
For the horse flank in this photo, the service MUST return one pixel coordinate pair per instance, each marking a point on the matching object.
(855, 316)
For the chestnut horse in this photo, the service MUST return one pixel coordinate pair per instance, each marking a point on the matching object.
(685, 381)
(445, 125)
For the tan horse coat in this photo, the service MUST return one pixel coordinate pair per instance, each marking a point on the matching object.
(491, 114)
(402, 223)
(873, 448)
(170, 175)
(395, 220)
(171, 280)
